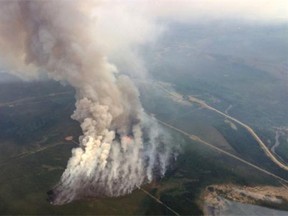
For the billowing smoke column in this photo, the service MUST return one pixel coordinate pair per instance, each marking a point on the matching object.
(121, 147)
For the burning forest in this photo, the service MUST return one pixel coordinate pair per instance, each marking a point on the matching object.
(121, 147)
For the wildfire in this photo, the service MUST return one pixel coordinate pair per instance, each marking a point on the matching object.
(127, 139)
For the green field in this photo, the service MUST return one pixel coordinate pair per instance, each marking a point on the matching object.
(33, 155)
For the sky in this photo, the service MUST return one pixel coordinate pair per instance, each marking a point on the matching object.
(255, 10)
(123, 25)
(191, 10)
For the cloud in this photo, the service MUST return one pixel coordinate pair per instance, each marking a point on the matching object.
(206, 10)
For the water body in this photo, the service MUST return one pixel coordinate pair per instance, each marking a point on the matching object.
(277, 143)
(236, 208)
(231, 208)
(228, 108)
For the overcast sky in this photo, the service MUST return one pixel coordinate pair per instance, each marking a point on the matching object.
(189, 10)
(121, 25)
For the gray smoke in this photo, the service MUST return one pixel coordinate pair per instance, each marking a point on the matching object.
(121, 146)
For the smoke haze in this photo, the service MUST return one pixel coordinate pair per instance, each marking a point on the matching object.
(73, 41)
(121, 147)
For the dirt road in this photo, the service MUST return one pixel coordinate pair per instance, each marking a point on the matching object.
(198, 139)
(248, 128)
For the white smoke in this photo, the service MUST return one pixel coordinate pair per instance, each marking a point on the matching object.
(121, 147)
(70, 41)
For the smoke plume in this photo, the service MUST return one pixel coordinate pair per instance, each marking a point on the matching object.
(121, 146)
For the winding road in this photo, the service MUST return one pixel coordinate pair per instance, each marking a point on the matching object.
(248, 128)
(198, 139)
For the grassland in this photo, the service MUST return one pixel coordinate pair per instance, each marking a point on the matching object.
(34, 155)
